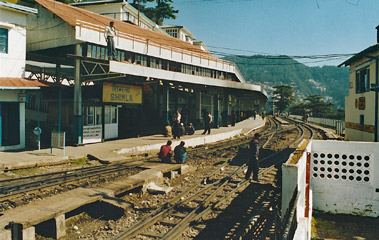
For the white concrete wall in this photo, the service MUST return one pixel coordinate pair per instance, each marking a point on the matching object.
(12, 64)
(294, 174)
(45, 31)
(345, 177)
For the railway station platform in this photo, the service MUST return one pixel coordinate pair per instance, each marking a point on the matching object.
(121, 149)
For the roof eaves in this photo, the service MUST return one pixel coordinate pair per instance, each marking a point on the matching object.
(20, 8)
(360, 55)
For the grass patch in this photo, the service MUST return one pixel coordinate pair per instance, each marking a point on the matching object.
(80, 161)
(341, 226)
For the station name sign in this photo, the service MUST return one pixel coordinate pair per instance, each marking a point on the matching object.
(121, 93)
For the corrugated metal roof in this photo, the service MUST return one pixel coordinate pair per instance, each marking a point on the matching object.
(71, 15)
(18, 7)
(19, 83)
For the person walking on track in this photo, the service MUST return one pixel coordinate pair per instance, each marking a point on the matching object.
(252, 164)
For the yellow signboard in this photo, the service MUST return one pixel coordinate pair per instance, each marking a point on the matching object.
(121, 93)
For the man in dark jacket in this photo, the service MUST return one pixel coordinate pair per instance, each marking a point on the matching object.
(180, 153)
(252, 163)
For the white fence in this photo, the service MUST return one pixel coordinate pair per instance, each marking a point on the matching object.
(337, 125)
(344, 179)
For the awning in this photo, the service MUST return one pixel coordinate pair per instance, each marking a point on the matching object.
(9, 83)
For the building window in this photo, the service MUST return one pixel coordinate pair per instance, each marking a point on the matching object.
(362, 80)
(172, 32)
(3, 40)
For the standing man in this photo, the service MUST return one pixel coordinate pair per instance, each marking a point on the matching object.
(176, 125)
(207, 123)
(252, 164)
(109, 34)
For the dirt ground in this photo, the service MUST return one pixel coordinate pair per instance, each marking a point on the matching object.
(339, 226)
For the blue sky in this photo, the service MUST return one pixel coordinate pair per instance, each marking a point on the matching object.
(289, 27)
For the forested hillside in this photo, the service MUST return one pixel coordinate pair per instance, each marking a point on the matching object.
(328, 81)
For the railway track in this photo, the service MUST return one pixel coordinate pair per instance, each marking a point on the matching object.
(225, 205)
(14, 188)
(223, 188)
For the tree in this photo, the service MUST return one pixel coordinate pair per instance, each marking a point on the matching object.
(298, 109)
(283, 97)
(162, 10)
(318, 108)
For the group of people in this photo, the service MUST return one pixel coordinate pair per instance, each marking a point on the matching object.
(180, 153)
(177, 128)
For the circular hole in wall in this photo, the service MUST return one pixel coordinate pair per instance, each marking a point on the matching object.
(315, 169)
(359, 179)
(366, 179)
(336, 162)
(359, 164)
(366, 172)
(351, 157)
(336, 176)
(315, 155)
(336, 156)
(322, 155)
(367, 158)
(344, 156)
(351, 171)
(367, 165)
(315, 161)
(330, 169)
(322, 162)
(359, 157)
(359, 171)
(330, 162)
(344, 163)
(329, 176)
(351, 164)
(322, 175)
(330, 155)
(336, 169)
(351, 178)
(343, 177)
(344, 170)
(322, 169)
(315, 175)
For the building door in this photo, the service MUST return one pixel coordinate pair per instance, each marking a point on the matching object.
(9, 124)
(111, 121)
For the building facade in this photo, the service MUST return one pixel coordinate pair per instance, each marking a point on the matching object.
(361, 104)
(14, 89)
(154, 75)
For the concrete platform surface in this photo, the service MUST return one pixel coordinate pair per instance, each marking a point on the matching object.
(121, 149)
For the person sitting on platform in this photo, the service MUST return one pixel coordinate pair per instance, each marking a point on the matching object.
(190, 129)
(182, 129)
(180, 153)
(168, 130)
(165, 152)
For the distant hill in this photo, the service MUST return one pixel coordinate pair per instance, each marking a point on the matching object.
(328, 81)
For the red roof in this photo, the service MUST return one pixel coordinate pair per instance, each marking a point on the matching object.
(71, 15)
(9, 82)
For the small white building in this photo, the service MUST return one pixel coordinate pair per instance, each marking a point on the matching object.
(179, 32)
(361, 105)
(120, 10)
(13, 88)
